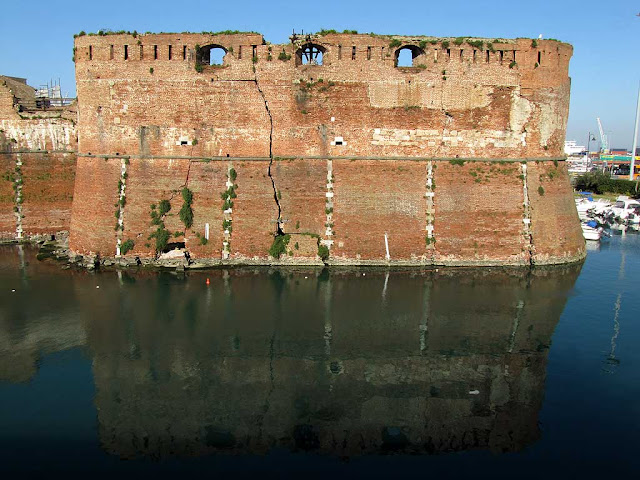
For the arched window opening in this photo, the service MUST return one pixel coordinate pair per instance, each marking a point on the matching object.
(407, 56)
(310, 54)
(211, 55)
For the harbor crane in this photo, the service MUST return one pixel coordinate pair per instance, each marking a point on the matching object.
(604, 141)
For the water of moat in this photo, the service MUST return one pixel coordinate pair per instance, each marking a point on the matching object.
(447, 373)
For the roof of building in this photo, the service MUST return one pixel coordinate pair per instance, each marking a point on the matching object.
(19, 88)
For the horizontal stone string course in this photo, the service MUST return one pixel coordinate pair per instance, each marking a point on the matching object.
(325, 114)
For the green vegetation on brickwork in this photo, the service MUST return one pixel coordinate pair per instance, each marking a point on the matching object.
(186, 212)
(395, 43)
(161, 235)
(445, 43)
(459, 41)
(279, 245)
(512, 64)
(456, 161)
(541, 190)
(476, 43)
(126, 246)
(284, 56)
(323, 252)
(430, 241)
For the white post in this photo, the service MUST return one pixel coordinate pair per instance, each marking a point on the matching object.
(386, 244)
(635, 137)
(206, 231)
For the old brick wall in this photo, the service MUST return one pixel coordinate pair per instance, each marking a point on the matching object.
(350, 143)
(38, 152)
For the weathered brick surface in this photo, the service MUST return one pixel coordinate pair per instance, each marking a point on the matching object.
(255, 213)
(92, 213)
(47, 191)
(504, 100)
(7, 197)
(479, 212)
(555, 226)
(302, 185)
(377, 197)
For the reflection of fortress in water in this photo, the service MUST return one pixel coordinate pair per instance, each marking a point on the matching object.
(340, 363)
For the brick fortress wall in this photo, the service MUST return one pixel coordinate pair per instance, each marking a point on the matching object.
(457, 158)
(37, 168)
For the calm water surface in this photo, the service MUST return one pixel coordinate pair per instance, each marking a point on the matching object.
(365, 373)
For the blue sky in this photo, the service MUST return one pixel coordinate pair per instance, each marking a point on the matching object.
(37, 37)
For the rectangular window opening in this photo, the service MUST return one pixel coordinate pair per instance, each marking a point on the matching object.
(169, 52)
(339, 52)
(240, 52)
(514, 55)
(501, 55)
(539, 58)
(475, 53)
(126, 52)
(90, 52)
(368, 53)
(487, 56)
(141, 52)
(353, 53)
(110, 52)
(448, 54)
(184, 52)
(254, 51)
(461, 54)
(155, 52)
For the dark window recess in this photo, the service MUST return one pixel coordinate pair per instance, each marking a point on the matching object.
(311, 55)
(170, 52)
(353, 53)
(155, 52)
(240, 52)
(126, 52)
(501, 55)
(368, 53)
(211, 55)
(539, 58)
(184, 52)
(514, 55)
(184, 142)
(475, 52)
(254, 51)
(339, 52)
(461, 54)
(110, 52)
(487, 57)
(90, 52)
(338, 142)
(448, 54)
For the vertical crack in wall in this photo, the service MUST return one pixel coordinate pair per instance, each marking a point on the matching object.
(279, 230)
(526, 220)
(17, 184)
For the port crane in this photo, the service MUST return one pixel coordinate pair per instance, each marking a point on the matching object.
(604, 141)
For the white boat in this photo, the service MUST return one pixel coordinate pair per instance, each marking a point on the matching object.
(591, 230)
(591, 233)
(626, 209)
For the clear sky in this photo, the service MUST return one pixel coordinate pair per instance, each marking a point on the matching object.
(37, 37)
